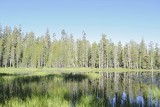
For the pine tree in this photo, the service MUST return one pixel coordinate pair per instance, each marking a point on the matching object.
(79, 53)
(84, 50)
(40, 52)
(29, 50)
(151, 62)
(142, 53)
(72, 52)
(94, 55)
(1, 47)
(115, 57)
(120, 55)
(47, 44)
(134, 55)
(125, 56)
(157, 57)
(19, 47)
(17, 50)
(6, 46)
(111, 54)
(103, 52)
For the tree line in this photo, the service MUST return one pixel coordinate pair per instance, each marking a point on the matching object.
(27, 50)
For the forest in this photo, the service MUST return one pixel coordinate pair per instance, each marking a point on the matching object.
(34, 51)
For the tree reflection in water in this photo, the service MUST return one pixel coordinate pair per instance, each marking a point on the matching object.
(134, 89)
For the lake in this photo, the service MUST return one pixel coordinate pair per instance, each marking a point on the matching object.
(82, 89)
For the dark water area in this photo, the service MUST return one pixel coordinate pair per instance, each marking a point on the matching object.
(125, 89)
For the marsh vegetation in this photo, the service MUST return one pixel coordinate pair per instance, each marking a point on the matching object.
(80, 89)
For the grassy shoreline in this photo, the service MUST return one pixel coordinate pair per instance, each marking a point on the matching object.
(78, 69)
(59, 70)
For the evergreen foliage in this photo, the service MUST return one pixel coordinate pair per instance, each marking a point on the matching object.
(29, 50)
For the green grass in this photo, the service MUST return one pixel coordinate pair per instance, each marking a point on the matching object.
(35, 70)
(90, 72)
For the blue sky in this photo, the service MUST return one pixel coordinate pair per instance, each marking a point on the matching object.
(121, 20)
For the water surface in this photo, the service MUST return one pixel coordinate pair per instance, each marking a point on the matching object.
(125, 89)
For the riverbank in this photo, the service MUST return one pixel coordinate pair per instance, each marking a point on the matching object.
(46, 71)
(75, 69)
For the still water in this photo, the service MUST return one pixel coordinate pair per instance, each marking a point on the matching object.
(125, 89)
